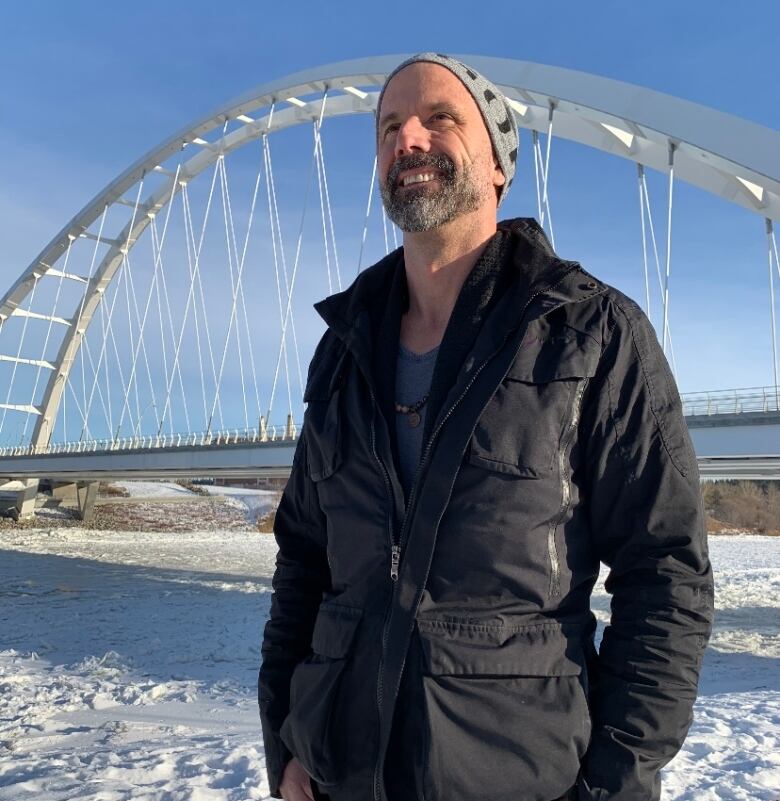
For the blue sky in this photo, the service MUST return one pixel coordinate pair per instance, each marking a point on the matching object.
(88, 87)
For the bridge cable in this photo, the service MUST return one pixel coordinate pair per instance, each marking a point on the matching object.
(76, 401)
(772, 252)
(131, 385)
(640, 175)
(193, 268)
(384, 229)
(774, 245)
(535, 147)
(157, 258)
(107, 328)
(159, 242)
(277, 229)
(199, 280)
(318, 134)
(276, 255)
(365, 221)
(83, 343)
(290, 288)
(235, 288)
(243, 294)
(672, 148)
(121, 283)
(542, 195)
(142, 328)
(124, 279)
(154, 287)
(546, 196)
(102, 308)
(657, 259)
(141, 344)
(193, 257)
(288, 316)
(296, 262)
(203, 305)
(64, 416)
(322, 211)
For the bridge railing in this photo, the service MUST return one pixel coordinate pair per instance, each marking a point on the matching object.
(725, 401)
(731, 401)
(280, 433)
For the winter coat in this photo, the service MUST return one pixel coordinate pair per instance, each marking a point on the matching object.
(560, 444)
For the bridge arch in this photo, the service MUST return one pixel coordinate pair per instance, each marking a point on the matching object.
(722, 154)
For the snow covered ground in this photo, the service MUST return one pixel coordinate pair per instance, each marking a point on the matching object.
(253, 503)
(152, 489)
(256, 502)
(128, 664)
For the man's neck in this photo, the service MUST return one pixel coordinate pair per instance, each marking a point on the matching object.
(437, 263)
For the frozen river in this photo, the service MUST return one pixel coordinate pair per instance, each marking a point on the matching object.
(128, 666)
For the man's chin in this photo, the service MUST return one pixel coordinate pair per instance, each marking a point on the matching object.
(408, 194)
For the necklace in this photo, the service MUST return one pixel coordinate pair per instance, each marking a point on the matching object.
(412, 411)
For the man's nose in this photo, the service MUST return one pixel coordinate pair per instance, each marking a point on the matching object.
(411, 136)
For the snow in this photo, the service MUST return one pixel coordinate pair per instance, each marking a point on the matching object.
(252, 503)
(128, 666)
(256, 502)
(152, 489)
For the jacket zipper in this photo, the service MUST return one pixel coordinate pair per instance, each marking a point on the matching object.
(552, 547)
(396, 548)
(395, 555)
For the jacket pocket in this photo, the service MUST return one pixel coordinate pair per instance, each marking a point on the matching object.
(323, 432)
(505, 711)
(323, 415)
(310, 730)
(521, 429)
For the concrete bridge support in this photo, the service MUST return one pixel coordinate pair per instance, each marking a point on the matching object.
(25, 499)
(20, 500)
(80, 495)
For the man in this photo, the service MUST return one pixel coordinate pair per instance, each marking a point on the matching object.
(486, 423)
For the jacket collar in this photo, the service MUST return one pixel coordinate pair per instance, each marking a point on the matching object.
(378, 297)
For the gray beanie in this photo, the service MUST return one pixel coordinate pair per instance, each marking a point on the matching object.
(499, 119)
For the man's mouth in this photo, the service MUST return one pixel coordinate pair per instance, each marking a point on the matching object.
(418, 178)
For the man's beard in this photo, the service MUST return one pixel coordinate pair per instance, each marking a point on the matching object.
(420, 207)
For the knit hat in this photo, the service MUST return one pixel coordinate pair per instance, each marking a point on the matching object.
(499, 119)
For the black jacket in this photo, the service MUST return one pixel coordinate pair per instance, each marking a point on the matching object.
(559, 444)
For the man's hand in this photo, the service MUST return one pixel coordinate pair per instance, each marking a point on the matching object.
(295, 784)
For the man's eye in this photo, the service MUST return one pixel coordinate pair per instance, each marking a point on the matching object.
(442, 115)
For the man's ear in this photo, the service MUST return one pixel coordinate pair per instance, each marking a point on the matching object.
(499, 179)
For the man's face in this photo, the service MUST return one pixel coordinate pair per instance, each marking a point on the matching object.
(434, 153)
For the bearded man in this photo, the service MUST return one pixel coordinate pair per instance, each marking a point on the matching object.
(486, 423)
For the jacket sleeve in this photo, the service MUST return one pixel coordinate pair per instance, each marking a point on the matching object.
(300, 578)
(648, 527)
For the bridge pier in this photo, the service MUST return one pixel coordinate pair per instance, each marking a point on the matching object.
(24, 506)
(290, 431)
(86, 493)
(81, 495)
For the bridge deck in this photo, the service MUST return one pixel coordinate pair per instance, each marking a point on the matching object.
(728, 445)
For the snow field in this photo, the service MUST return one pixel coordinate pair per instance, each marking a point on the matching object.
(128, 666)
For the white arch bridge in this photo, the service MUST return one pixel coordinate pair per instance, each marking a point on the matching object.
(164, 331)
